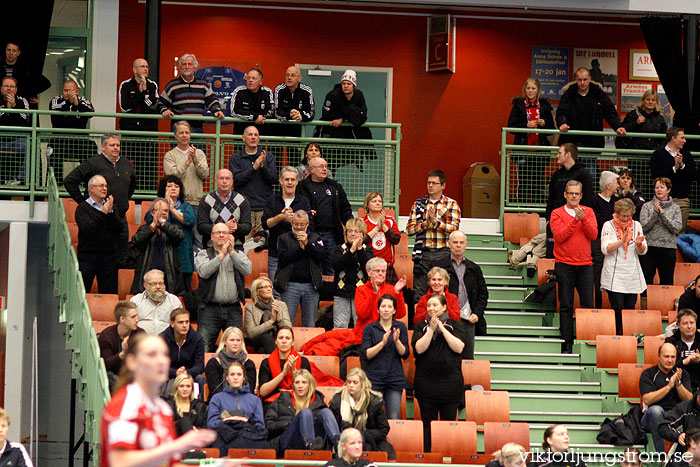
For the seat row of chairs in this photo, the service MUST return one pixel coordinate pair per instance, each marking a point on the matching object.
(613, 350)
(592, 322)
(452, 442)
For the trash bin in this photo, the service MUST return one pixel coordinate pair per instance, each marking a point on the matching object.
(482, 191)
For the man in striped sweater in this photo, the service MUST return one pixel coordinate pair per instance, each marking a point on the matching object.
(187, 95)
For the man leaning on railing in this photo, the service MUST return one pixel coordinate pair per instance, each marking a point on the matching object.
(14, 147)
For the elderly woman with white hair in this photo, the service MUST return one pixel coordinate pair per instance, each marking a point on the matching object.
(603, 205)
(367, 295)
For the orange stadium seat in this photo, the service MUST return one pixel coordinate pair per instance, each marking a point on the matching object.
(145, 207)
(126, 279)
(195, 281)
(353, 362)
(69, 206)
(401, 248)
(132, 230)
(613, 350)
(543, 265)
(518, 225)
(497, 434)
(328, 392)
(251, 454)
(259, 260)
(663, 297)
(685, 273)
(406, 435)
(477, 372)
(647, 322)
(672, 316)
(102, 306)
(628, 379)
(453, 437)
(651, 348)
(307, 455)
(304, 335)
(257, 358)
(592, 322)
(487, 406)
(327, 364)
(375, 456)
(403, 264)
(419, 457)
(208, 356)
(100, 326)
(131, 216)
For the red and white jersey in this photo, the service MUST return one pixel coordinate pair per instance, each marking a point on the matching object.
(380, 244)
(133, 420)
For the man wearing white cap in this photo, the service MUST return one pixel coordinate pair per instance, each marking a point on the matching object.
(345, 103)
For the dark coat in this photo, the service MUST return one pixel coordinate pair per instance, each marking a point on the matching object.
(377, 427)
(342, 211)
(557, 186)
(289, 252)
(121, 179)
(336, 106)
(195, 418)
(280, 412)
(477, 291)
(661, 165)
(143, 243)
(681, 348)
(681, 419)
(654, 122)
(255, 185)
(518, 119)
(190, 354)
(352, 265)
(573, 109)
(215, 375)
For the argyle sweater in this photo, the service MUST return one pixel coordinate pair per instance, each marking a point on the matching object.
(213, 210)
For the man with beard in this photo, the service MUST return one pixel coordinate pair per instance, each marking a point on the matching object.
(155, 303)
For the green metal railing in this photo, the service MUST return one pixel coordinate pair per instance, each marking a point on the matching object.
(526, 170)
(87, 366)
(360, 166)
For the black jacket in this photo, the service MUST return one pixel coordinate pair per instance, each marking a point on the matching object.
(250, 105)
(215, 375)
(586, 113)
(654, 122)
(120, 177)
(636, 197)
(190, 355)
(70, 121)
(682, 352)
(273, 208)
(195, 418)
(689, 299)
(143, 243)
(661, 165)
(14, 455)
(342, 211)
(377, 426)
(133, 101)
(557, 186)
(288, 252)
(255, 185)
(682, 418)
(280, 412)
(518, 119)
(477, 291)
(350, 268)
(302, 100)
(336, 106)
(97, 231)
(15, 119)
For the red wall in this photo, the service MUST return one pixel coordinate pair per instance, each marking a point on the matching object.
(454, 118)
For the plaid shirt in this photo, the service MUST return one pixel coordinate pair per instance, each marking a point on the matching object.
(447, 215)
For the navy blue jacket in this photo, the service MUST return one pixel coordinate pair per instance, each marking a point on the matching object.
(255, 185)
(190, 355)
(385, 368)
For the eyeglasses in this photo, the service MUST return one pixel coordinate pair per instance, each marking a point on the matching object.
(101, 185)
(220, 233)
(434, 183)
(573, 194)
(156, 283)
(300, 225)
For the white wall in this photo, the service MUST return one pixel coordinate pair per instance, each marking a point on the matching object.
(105, 41)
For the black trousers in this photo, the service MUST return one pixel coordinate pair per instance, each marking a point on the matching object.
(102, 266)
(468, 351)
(621, 301)
(661, 259)
(431, 410)
(568, 278)
(264, 343)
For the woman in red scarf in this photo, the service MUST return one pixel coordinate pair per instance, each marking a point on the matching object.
(532, 111)
(300, 419)
(276, 371)
(622, 241)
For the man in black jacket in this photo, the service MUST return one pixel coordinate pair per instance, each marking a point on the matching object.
(13, 149)
(293, 101)
(691, 298)
(570, 170)
(468, 284)
(681, 419)
(583, 107)
(138, 95)
(120, 177)
(686, 340)
(186, 348)
(252, 102)
(330, 208)
(69, 146)
(99, 225)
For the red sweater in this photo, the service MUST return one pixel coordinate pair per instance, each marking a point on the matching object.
(366, 305)
(572, 237)
(453, 309)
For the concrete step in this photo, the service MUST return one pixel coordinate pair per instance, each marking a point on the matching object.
(504, 280)
(514, 318)
(508, 343)
(538, 373)
(526, 357)
(479, 254)
(554, 417)
(556, 402)
(507, 293)
(496, 268)
(514, 330)
(509, 304)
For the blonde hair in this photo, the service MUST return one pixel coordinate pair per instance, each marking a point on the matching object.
(359, 224)
(304, 403)
(507, 451)
(4, 415)
(647, 93)
(226, 334)
(179, 379)
(344, 438)
(357, 415)
(536, 82)
(257, 283)
(442, 272)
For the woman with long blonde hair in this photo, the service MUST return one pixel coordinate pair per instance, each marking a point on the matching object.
(231, 349)
(356, 405)
(189, 411)
(300, 419)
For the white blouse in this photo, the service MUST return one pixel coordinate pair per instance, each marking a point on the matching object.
(619, 274)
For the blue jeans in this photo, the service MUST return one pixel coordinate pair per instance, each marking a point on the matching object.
(328, 237)
(272, 264)
(304, 428)
(651, 420)
(305, 294)
(343, 308)
(392, 401)
(215, 317)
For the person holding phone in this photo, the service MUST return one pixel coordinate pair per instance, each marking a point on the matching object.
(384, 345)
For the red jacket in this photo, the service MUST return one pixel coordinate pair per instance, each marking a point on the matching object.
(572, 237)
(366, 305)
(453, 309)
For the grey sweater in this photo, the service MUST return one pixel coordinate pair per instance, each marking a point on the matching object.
(661, 228)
